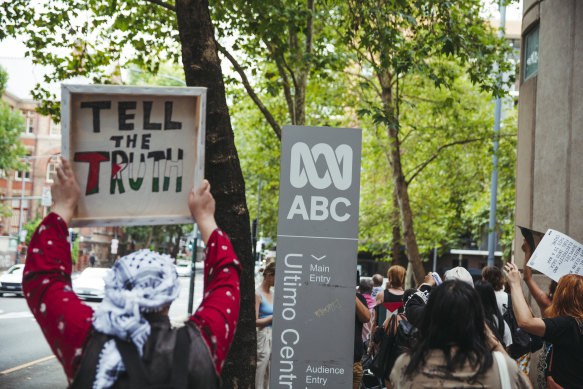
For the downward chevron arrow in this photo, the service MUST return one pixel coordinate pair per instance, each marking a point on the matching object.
(318, 259)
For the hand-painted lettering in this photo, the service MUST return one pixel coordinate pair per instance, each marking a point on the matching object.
(96, 106)
(123, 116)
(147, 124)
(94, 158)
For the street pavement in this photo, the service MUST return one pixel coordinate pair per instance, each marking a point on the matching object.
(26, 360)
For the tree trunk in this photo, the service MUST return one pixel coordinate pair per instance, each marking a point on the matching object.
(176, 246)
(149, 238)
(399, 184)
(398, 259)
(202, 68)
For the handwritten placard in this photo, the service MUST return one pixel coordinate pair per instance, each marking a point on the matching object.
(557, 255)
(136, 151)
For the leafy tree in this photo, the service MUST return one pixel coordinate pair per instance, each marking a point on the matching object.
(83, 38)
(449, 196)
(395, 39)
(287, 45)
(11, 149)
(30, 228)
(75, 251)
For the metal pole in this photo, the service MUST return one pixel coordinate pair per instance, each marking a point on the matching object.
(494, 186)
(20, 216)
(193, 270)
(435, 258)
(258, 209)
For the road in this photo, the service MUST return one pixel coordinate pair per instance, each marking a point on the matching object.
(26, 360)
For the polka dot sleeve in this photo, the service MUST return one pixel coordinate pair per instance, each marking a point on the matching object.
(63, 318)
(217, 316)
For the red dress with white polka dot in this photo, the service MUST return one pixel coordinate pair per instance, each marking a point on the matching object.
(66, 321)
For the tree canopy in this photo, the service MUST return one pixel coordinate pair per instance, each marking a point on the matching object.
(416, 76)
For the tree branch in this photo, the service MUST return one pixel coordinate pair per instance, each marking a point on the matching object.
(310, 29)
(423, 165)
(383, 146)
(423, 99)
(162, 4)
(367, 79)
(286, 87)
(270, 119)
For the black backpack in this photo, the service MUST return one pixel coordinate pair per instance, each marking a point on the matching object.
(522, 341)
(396, 339)
(136, 375)
(139, 377)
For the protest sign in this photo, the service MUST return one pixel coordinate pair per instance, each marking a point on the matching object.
(314, 303)
(135, 151)
(557, 255)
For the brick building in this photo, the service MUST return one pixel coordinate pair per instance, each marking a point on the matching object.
(23, 191)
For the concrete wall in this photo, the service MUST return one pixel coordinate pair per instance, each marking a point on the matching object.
(549, 183)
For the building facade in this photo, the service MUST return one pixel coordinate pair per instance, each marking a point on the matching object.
(23, 191)
(549, 183)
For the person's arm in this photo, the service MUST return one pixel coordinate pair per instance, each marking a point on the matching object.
(524, 318)
(362, 311)
(216, 317)
(265, 321)
(64, 319)
(541, 298)
(492, 341)
(380, 297)
(373, 328)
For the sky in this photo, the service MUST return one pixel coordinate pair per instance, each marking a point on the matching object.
(23, 75)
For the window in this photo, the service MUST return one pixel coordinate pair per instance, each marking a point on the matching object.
(51, 171)
(55, 128)
(531, 53)
(16, 204)
(18, 176)
(29, 122)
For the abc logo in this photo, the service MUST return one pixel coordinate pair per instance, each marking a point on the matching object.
(303, 171)
(303, 166)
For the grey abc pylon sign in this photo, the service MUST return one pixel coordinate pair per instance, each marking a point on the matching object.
(313, 322)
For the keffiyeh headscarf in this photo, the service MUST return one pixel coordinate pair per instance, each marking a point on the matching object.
(141, 282)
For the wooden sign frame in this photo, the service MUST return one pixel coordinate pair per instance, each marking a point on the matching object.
(119, 138)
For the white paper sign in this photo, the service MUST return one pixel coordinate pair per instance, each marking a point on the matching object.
(557, 255)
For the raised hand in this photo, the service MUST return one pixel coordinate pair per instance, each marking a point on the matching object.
(202, 207)
(512, 274)
(65, 191)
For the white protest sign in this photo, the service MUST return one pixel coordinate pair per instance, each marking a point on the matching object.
(557, 255)
(135, 151)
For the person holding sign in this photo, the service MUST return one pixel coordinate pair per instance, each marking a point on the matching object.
(128, 341)
(562, 327)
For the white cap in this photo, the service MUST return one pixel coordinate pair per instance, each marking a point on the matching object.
(459, 273)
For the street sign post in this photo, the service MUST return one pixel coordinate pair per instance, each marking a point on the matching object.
(314, 307)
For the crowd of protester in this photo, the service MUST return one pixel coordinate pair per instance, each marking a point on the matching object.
(465, 334)
(456, 334)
